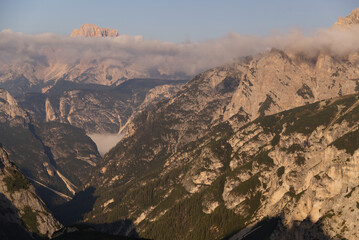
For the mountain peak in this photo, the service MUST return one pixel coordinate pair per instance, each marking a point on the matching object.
(92, 30)
(349, 21)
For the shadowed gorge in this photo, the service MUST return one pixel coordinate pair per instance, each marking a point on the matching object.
(271, 228)
(11, 230)
(80, 204)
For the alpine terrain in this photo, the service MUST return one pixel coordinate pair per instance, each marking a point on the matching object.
(23, 214)
(263, 147)
(210, 160)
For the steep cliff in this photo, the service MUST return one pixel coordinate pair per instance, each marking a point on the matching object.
(95, 108)
(56, 157)
(23, 213)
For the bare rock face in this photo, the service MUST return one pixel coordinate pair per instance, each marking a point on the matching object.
(9, 109)
(280, 80)
(50, 114)
(104, 110)
(22, 210)
(349, 21)
(92, 30)
(109, 32)
(37, 148)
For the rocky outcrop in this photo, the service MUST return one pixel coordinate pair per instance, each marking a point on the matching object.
(279, 80)
(50, 113)
(9, 109)
(159, 93)
(98, 109)
(349, 21)
(20, 205)
(92, 30)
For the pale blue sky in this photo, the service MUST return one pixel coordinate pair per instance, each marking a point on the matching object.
(175, 21)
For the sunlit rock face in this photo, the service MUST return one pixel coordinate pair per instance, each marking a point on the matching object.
(201, 141)
(92, 30)
(9, 109)
(349, 21)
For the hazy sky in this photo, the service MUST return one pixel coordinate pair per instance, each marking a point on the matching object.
(176, 21)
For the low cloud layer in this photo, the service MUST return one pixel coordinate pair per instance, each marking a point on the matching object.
(150, 56)
(105, 142)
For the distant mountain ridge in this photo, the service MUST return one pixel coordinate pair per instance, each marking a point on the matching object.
(92, 30)
(42, 68)
(271, 139)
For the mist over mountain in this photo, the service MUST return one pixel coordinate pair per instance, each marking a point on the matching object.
(211, 162)
(105, 141)
(39, 59)
(182, 157)
(105, 128)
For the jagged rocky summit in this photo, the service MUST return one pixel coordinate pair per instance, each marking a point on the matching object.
(349, 21)
(92, 30)
(209, 160)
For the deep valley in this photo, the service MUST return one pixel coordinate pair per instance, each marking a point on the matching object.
(264, 146)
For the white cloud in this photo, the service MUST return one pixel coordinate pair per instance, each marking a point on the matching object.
(105, 141)
(148, 56)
